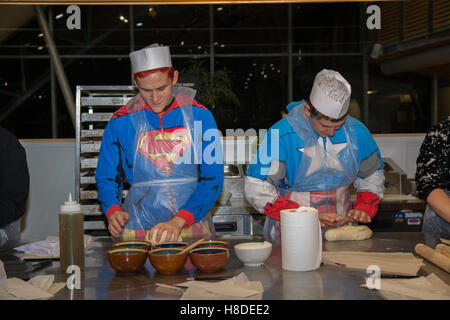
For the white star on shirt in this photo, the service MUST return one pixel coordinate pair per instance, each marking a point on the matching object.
(317, 155)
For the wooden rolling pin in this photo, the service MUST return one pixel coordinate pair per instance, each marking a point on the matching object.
(444, 249)
(434, 256)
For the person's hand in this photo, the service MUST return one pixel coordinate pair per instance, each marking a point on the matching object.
(329, 218)
(117, 221)
(273, 210)
(359, 216)
(173, 228)
(344, 221)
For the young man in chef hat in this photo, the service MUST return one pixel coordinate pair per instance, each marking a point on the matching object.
(322, 152)
(155, 143)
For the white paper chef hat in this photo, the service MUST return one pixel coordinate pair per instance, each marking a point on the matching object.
(330, 94)
(152, 57)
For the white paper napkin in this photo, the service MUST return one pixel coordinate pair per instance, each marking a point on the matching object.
(48, 248)
(236, 288)
(421, 288)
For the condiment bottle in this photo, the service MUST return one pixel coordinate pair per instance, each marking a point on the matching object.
(71, 235)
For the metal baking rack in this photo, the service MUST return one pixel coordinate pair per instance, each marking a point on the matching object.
(94, 107)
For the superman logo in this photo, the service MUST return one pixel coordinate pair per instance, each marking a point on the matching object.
(163, 148)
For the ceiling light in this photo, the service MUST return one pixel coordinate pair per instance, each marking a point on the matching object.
(59, 16)
(152, 12)
(40, 35)
(139, 24)
(122, 18)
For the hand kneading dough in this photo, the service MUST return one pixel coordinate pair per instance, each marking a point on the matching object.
(348, 233)
(163, 237)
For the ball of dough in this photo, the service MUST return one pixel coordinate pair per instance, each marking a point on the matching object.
(348, 233)
(163, 237)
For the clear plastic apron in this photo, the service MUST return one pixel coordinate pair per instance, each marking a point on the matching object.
(325, 173)
(165, 172)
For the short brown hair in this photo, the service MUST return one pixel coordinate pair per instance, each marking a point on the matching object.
(318, 115)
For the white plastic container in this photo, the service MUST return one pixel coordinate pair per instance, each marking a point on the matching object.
(301, 239)
(71, 235)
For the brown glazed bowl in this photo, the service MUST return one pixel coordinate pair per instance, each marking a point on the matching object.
(134, 244)
(168, 260)
(127, 260)
(209, 259)
(213, 243)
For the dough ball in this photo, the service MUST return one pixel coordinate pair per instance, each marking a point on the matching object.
(348, 233)
(163, 237)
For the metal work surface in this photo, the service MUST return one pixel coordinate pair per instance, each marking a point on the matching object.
(100, 282)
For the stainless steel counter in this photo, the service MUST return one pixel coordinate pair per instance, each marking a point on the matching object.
(100, 282)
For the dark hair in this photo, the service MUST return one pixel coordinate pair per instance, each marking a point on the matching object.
(318, 115)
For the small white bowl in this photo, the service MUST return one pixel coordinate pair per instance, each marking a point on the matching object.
(253, 254)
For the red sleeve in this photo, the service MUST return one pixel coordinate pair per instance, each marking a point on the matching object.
(113, 209)
(368, 202)
(186, 215)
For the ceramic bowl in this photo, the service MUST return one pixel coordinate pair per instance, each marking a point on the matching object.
(127, 260)
(167, 260)
(134, 244)
(209, 259)
(170, 245)
(213, 243)
(253, 254)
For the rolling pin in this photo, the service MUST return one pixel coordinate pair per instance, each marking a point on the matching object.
(434, 256)
(444, 249)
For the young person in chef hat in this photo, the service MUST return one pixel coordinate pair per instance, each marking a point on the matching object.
(322, 151)
(157, 144)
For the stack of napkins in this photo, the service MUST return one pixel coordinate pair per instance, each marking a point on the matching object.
(236, 288)
(48, 248)
(39, 287)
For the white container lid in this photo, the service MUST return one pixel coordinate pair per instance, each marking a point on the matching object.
(70, 206)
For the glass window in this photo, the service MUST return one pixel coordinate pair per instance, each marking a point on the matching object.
(398, 104)
(260, 28)
(335, 29)
(184, 28)
(250, 58)
(261, 86)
